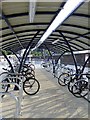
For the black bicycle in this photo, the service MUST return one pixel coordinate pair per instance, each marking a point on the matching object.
(30, 84)
(81, 87)
(64, 78)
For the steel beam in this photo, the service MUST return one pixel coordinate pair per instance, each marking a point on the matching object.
(45, 13)
(26, 52)
(46, 23)
(49, 53)
(68, 32)
(30, 46)
(82, 35)
(55, 38)
(3, 53)
(85, 64)
(61, 56)
(15, 54)
(74, 58)
(10, 27)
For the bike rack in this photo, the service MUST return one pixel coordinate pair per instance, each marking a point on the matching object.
(8, 61)
(18, 100)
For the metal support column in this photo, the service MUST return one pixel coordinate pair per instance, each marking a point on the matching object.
(12, 70)
(61, 56)
(26, 52)
(85, 64)
(10, 27)
(30, 46)
(74, 59)
(49, 53)
(15, 54)
(21, 64)
(52, 59)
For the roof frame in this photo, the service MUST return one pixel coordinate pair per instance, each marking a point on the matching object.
(9, 25)
(44, 13)
(64, 24)
(64, 31)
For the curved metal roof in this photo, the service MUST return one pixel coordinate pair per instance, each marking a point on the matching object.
(17, 31)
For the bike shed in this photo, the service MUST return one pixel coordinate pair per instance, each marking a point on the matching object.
(30, 25)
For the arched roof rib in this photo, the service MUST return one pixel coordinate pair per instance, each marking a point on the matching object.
(65, 47)
(43, 13)
(30, 34)
(54, 39)
(42, 24)
(62, 39)
(16, 28)
(64, 31)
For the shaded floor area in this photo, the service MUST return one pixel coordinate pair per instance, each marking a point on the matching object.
(52, 101)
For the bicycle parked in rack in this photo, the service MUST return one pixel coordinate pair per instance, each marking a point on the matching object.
(28, 71)
(63, 79)
(80, 86)
(30, 84)
(73, 78)
(47, 66)
(77, 84)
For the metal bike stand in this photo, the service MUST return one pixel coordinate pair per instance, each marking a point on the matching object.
(20, 86)
(17, 99)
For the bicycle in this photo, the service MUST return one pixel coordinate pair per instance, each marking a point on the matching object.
(63, 79)
(81, 88)
(29, 82)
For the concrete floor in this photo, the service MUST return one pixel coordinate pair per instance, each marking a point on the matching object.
(52, 101)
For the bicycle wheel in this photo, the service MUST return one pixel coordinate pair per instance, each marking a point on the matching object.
(4, 88)
(81, 88)
(85, 89)
(71, 83)
(75, 90)
(63, 79)
(31, 86)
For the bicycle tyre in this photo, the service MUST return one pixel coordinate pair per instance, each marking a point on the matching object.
(81, 91)
(30, 83)
(62, 80)
(71, 83)
(77, 93)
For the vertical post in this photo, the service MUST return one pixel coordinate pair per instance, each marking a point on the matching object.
(52, 60)
(74, 59)
(15, 54)
(85, 64)
(61, 56)
(26, 52)
(8, 61)
(49, 53)
(23, 58)
(30, 46)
